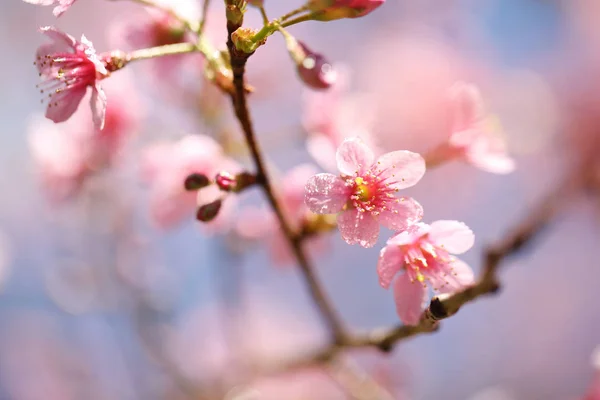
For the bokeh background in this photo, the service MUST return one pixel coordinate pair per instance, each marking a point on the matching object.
(96, 302)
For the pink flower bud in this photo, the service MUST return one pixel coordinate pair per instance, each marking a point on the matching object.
(195, 182)
(208, 212)
(234, 183)
(314, 70)
(327, 10)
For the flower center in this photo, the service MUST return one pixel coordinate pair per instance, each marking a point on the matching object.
(362, 190)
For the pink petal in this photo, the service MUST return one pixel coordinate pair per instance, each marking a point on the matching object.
(325, 194)
(98, 104)
(458, 276)
(62, 7)
(402, 168)
(400, 215)
(389, 264)
(41, 2)
(358, 228)
(465, 138)
(65, 104)
(410, 235)
(354, 155)
(410, 298)
(59, 37)
(453, 236)
(467, 105)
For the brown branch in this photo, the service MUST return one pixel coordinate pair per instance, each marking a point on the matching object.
(238, 66)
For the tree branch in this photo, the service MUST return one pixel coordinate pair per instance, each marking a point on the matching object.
(238, 65)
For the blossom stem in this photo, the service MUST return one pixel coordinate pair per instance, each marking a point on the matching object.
(238, 65)
(265, 18)
(162, 51)
(297, 20)
(293, 13)
(205, 6)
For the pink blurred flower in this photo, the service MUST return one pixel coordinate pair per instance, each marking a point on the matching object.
(331, 116)
(475, 136)
(67, 67)
(422, 253)
(260, 223)
(364, 193)
(593, 392)
(165, 166)
(335, 9)
(67, 154)
(60, 5)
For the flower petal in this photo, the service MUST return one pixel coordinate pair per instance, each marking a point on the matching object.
(410, 235)
(458, 275)
(494, 163)
(322, 150)
(354, 155)
(389, 264)
(358, 228)
(402, 168)
(453, 236)
(401, 214)
(325, 194)
(466, 105)
(59, 37)
(410, 298)
(98, 104)
(65, 104)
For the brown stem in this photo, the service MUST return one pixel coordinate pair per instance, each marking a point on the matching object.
(238, 65)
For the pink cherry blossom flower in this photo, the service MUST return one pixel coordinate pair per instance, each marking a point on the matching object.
(423, 253)
(475, 136)
(334, 9)
(60, 5)
(331, 116)
(67, 67)
(364, 193)
(260, 223)
(165, 166)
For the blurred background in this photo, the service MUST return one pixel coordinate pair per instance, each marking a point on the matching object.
(108, 293)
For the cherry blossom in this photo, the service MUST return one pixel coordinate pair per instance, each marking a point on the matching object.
(67, 67)
(364, 194)
(475, 136)
(165, 166)
(60, 5)
(423, 254)
(331, 116)
(334, 9)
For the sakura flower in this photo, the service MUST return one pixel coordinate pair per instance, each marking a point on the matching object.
(475, 136)
(423, 254)
(260, 223)
(327, 10)
(67, 67)
(331, 116)
(165, 166)
(60, 5)
(364, 194)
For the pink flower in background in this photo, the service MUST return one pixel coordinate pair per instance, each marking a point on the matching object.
(331, 116)
(60, 5)
(165, 166)
(67, 67)
(335, 9)
(364, 194)
(258, 223)
(593, 392)
(474, 135)
(422, 253)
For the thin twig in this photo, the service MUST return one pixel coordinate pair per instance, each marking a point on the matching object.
(204, 16)
(150, 3)
(162, 51)
(238, 65)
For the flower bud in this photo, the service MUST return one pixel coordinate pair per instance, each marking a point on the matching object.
(327, 10)
(234, 183)
(208, 212)
(314, 70)
(196, 182)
